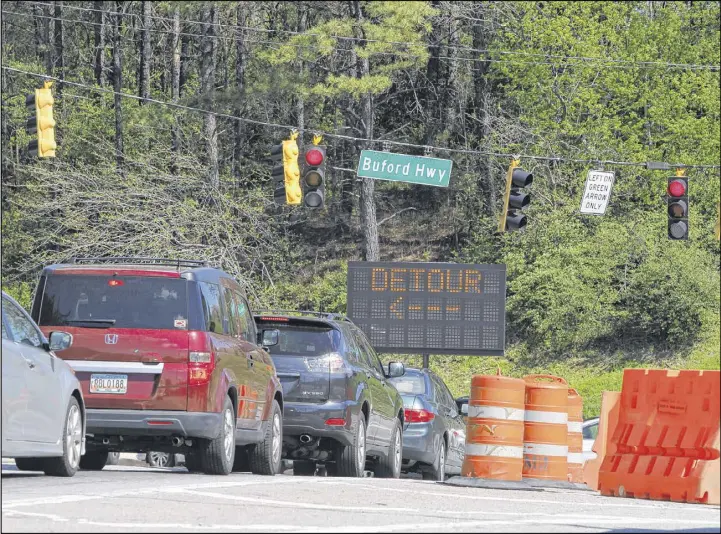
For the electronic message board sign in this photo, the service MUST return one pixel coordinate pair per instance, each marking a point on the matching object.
(429, 308)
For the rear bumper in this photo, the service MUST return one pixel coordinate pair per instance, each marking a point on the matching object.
(153, 423)
(309, 418)
(418, 443)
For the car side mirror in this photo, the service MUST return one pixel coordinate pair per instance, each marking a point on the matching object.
(270, 338)
(464, 409)
(59, 341)
(396, 369)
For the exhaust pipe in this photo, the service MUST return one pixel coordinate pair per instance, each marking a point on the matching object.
(106, 441)
(305, 438)
(177, 442)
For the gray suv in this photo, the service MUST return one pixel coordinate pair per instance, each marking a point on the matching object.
(341, 410)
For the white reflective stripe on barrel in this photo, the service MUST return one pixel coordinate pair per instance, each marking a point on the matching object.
(543, 449)
(575, 458)
(495, 412)
(534, 416)
(575, 426)
(504, 451)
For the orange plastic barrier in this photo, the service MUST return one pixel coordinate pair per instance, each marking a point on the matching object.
(666, 443)
(575, 436)
(545, 433)
(494, 433)
(607, 421)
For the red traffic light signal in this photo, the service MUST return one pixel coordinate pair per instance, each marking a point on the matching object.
(314, 176)
(677, 205)
(314, 157)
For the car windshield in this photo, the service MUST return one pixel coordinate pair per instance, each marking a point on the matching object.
(99, 301)
(303, 340)
(409, 384)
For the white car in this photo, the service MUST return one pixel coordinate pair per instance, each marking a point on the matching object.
(590, 431)
(43, 412)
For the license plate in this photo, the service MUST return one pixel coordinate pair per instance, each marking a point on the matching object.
(117, 384)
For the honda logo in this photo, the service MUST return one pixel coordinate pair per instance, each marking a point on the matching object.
(111, 339)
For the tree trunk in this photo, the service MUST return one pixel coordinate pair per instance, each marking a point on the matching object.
(118, 84)
(302, 25)
(207, 83)
(184, 51)
(145, 53)
(59, 47)
(48, 39)
(175, 87)
(240, 64)
(367, 202)
(98, 5)
(431, 99)
(452, 105)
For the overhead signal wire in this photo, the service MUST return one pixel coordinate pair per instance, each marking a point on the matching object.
(620, 63)
(359, 139)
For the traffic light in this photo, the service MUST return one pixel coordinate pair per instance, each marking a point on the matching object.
(516, 198)
(286, 176)
(41, 121)
(677, 203)
(314, 174)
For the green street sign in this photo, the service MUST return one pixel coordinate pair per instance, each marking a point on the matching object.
(403, 168)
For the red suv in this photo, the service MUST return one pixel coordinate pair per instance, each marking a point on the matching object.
(166, 352)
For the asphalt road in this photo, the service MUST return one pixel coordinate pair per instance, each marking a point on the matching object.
(121, 498)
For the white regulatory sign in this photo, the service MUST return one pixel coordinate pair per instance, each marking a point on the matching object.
(597, 192)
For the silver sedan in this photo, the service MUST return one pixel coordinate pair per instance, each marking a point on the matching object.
(43, 413)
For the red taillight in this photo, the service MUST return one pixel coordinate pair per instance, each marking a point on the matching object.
(314, 157)
(276, 319)
(418, 416)
(201, 358)
(160, 423)
(114, 282)
(677, 188)
(335, 422)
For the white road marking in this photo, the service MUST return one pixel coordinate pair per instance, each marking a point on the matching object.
(547, 519)
(384, 509)
(607, 501)
(62, 499)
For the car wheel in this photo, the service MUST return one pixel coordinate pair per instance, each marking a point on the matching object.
(390, 466)
(241, 463)
(303, 468)
(217, 455)
(67, 464)
(437, 471)
(265, 456)
(350, 460)
(113, 458)
(94, 460)
(30, 464)
(160, 459)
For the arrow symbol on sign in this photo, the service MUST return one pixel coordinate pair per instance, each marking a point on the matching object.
(395, 310)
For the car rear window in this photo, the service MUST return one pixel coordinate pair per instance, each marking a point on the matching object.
(410, 384)
(303, 340)
(98, 301)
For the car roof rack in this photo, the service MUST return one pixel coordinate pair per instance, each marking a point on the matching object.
(320, 315)
(143, 261)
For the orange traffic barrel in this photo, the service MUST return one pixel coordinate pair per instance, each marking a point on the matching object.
(575, 436)
(494, 432)
(545, 432)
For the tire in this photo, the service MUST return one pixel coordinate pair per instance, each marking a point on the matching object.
(217, 455)
(265, 457)
(303, 468)
(160, 459)
(437, 471)
(390, 467)
(30, 464)
(94, 460)
(113, 458)
(67, 464)
(350, 460)
(241, 463)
